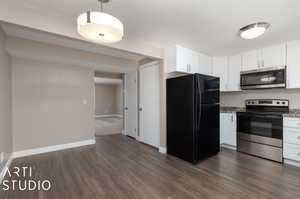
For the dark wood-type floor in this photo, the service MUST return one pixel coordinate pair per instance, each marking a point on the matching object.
(118, 167)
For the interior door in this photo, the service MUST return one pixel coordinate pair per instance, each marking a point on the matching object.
(131, 104)
(149, 105)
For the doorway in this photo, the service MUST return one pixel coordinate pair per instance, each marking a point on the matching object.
(109, 100)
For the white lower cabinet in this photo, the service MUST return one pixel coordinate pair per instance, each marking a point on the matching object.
(291, 140)
(228, 129)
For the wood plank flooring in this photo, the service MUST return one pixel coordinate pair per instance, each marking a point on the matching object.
(121, 168)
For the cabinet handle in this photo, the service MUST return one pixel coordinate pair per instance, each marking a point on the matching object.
(258, 64)
(298, 154)
(298, 137)
(263, 63)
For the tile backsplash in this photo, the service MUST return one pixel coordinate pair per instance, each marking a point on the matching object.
(237, 99)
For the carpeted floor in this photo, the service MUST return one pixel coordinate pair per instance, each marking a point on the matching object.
(108, 125)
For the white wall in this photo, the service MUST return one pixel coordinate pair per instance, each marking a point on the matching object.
(237, 99)
(48, 104)
(5, 101)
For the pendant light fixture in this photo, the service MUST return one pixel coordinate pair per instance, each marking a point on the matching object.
(99, 26)
(253, 31)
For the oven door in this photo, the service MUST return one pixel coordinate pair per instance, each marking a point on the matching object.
(263, 79)
(260, 128)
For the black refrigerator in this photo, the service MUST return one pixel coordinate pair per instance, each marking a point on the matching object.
(193, 115)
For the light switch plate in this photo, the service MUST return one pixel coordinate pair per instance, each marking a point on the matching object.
(84, 102)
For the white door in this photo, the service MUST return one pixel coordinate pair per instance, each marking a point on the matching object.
(274, 56)
(220, 69)
(131, 104)
(234, 69)
(149, 114)
(251, 60)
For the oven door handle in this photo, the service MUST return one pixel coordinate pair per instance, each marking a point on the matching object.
(261, 116)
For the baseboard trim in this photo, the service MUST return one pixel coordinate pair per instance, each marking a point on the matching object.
(7, 165)
(228, 146)
(109, 115)
(48, 149)
(162, 149)
(292, 162)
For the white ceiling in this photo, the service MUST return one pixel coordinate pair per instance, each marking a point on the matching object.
(209, 26)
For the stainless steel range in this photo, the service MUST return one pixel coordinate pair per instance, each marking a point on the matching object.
(260, 128)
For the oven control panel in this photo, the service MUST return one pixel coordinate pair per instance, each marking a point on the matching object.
(267, 102)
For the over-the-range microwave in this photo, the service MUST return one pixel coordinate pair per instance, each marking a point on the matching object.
(274, 77)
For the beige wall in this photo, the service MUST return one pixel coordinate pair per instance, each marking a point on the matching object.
(5, 100)
(48, 104)
(119, 99)
(109, 99)
(105, 99)
(238, 98)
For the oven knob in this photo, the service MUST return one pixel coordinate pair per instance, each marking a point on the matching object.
(283, 102)
(278, 102)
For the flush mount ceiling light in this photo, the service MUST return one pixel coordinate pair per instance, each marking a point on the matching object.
(99, 26)
(253, 31)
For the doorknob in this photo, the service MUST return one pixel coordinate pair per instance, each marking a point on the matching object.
(125, 108)
(140, 109)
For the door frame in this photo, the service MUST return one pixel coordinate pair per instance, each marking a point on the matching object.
(125, 104)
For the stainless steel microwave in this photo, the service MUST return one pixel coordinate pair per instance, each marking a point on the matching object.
(264, 78)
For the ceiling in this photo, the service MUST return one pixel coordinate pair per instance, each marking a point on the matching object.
(208, 26)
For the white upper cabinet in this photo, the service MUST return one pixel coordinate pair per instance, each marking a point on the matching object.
(183, 59)
(205, 65)
(234, 69)
(180, 59)
(251, 60)
(264, 58)
(220, 69)
(293, 64)
(274, 56)
(193, 62)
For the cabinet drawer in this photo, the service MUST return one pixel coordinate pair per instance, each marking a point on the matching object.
(291, 122)
(291, 151)
(291, 136)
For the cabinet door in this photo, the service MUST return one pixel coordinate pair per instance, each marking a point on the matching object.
(232, 133)
(224, 127)
(274, 56)
(194, 62)
(205, 65)
(228, 129)
(234, 69)
(220, 69)
(251, 60)
(293, 64)
(182, 59)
